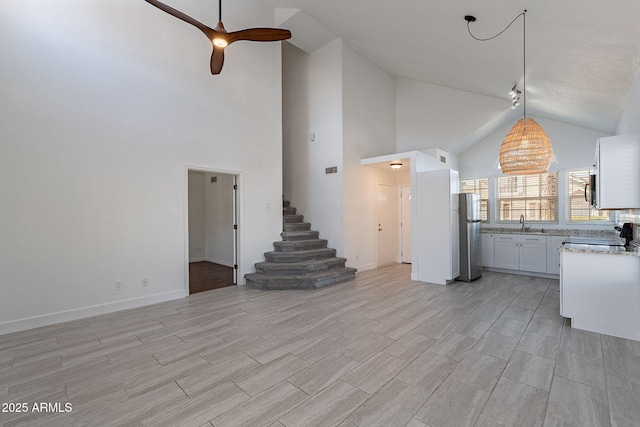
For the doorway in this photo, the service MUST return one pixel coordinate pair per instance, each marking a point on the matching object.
(212, 230)
(386, 194)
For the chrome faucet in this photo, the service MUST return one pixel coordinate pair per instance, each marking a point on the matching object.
(522, 222)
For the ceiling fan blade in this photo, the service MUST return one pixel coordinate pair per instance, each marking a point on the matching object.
(217, 60)
(259, 35)
(209, 32)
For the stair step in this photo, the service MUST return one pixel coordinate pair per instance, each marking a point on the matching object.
(300, 256)
(299, 268)
(296, 226)
(299, 245)
(299, 235)
(301, 260)
(292, 218)
(313, 281)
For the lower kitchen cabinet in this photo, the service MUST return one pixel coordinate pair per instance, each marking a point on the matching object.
(487, 250)
(507, 254)
(520, 252)
(601, 293)
(553, 253)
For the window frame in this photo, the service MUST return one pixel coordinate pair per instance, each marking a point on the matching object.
(478, 190)
(520, 181)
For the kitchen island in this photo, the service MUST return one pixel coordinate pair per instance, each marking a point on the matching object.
(600, 288)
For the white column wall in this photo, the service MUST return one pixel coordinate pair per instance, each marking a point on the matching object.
(104, 104)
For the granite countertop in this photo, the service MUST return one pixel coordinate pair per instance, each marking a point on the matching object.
(603, 234)
(631, 250)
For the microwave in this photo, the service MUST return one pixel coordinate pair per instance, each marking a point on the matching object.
(592, 191)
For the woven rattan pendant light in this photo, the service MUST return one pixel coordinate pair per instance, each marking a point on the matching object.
(526, 150)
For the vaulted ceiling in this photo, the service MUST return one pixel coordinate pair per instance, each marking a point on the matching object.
(582, 55)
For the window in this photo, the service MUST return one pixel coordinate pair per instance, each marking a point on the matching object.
(534, 196)
(579, 209)
(478, 186)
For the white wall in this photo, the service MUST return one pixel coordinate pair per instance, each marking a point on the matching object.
(102, 110)
(349, 103)
(196, 216)
(324, 205)
(313, 103)
(296, 156)
(219, 219)
(369, 131)
(432, 116)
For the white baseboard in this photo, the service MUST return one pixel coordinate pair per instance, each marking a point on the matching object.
(80, 313)
(199, 259)
(366, 267)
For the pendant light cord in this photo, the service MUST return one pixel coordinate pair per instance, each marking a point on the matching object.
(497, 35)
(524, 63)
(524, 51)
(219, 10)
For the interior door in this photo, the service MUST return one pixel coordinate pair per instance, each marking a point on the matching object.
(405, 223)
(386, 224)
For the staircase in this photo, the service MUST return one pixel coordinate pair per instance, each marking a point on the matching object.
(300, 261)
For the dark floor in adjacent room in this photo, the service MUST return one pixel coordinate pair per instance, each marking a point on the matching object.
(205, 276)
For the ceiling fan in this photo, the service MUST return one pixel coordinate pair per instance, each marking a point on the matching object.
(220, 38)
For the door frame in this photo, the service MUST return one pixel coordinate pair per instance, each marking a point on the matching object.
(238, 272)
(401, 226)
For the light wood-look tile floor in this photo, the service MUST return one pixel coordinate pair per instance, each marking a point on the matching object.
(377, 351)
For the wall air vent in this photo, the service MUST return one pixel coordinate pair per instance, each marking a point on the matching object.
(332, 169)
(443, 159)
(214, 179)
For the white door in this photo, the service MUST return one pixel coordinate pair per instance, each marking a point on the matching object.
(405, 223)
(386, 224)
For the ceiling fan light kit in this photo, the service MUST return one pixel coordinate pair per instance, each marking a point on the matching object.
(220, 38)
(526, 150)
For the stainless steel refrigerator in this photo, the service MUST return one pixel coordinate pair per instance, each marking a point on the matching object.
(470, 253)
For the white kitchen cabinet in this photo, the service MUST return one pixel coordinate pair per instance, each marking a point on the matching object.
(553, 253)
(506, 253)
(617, 172)
(601, 293)
(520, 252)
(533, 257)
(438, 243)
(487, 250)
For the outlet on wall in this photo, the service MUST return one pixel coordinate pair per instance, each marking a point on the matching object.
(117, 286)
(144, 283)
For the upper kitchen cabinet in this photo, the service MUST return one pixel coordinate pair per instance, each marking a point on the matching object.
(617, 183)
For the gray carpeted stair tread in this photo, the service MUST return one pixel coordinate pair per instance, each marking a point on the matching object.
(301, 260)
(312, 281)
(299, 268)
(300, 256)
(288, 219)
(299, 245)
(296, 226)
(299, 235)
